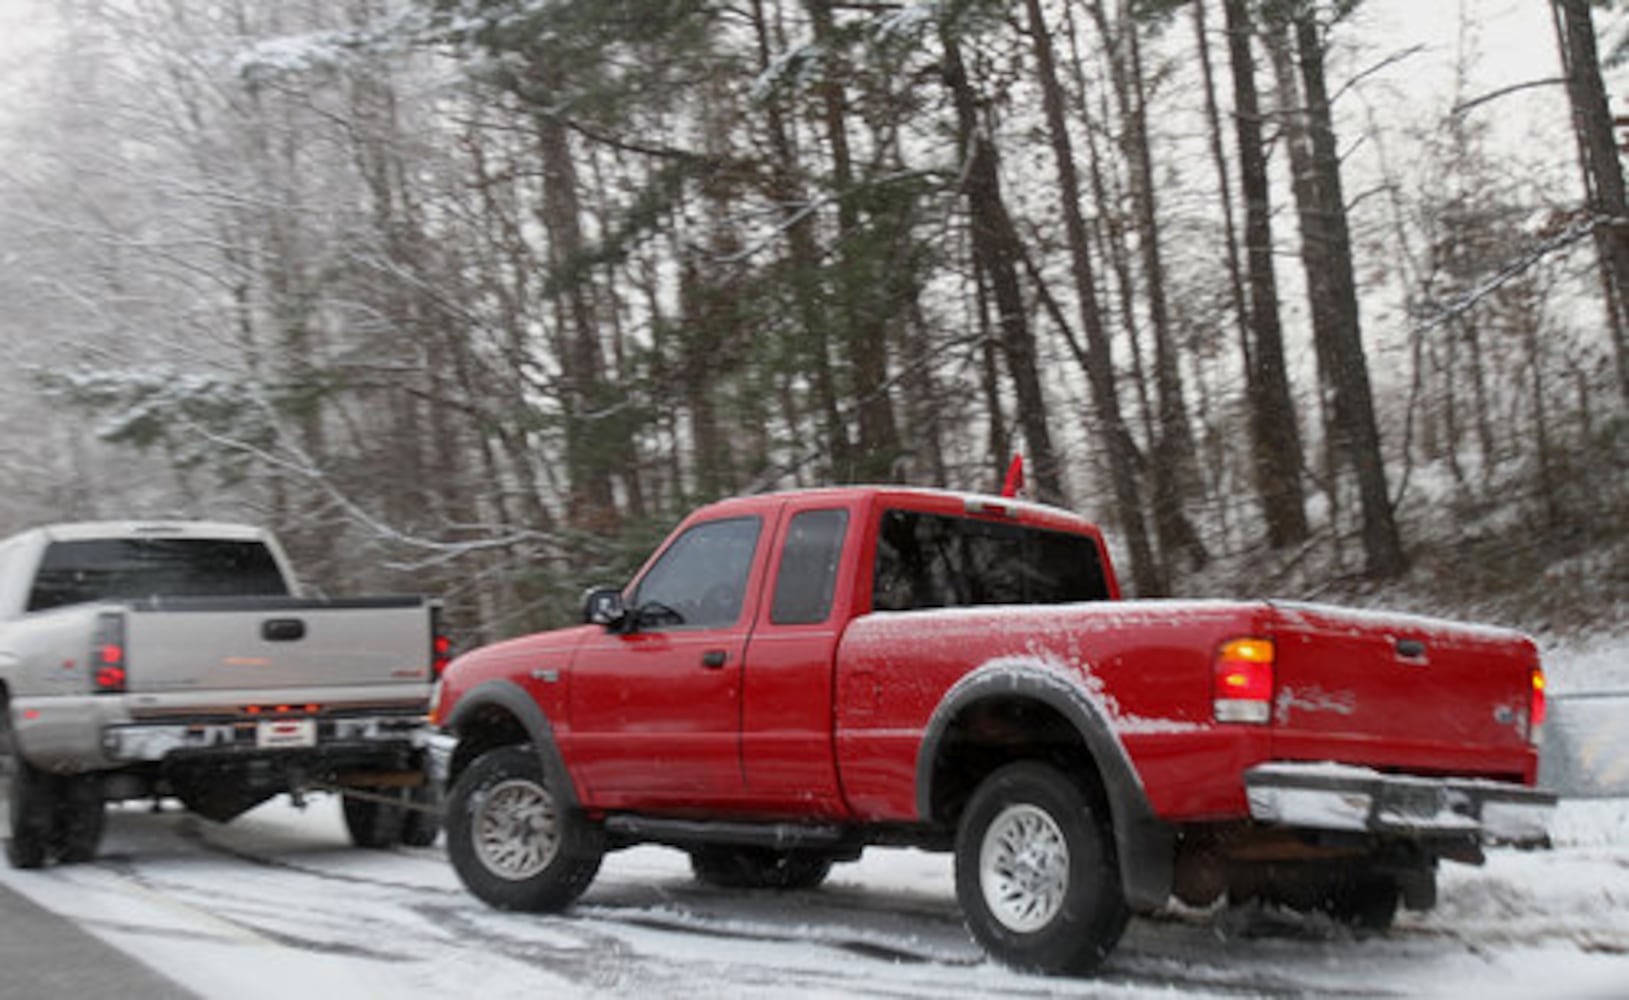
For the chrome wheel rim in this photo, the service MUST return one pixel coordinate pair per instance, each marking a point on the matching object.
(1024, 868)
(516, 829)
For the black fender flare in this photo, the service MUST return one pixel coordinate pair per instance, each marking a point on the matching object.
(513, 699)
(1144, 843)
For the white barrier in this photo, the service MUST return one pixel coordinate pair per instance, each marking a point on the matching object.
(1585, 749)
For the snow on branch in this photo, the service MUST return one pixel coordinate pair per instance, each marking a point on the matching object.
(295, 462)
(1433, 313)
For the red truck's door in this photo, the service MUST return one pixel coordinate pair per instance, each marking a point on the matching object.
(656, 712)
(787, 712)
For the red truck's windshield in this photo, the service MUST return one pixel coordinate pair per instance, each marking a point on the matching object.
(75, 572)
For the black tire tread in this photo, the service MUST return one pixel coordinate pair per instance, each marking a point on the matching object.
(373, 825)
(31, 801)
(1095, 912)
(565, 878)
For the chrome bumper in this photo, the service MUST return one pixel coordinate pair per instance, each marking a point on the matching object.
(1360, 800)
(439, 749)
(155, 741)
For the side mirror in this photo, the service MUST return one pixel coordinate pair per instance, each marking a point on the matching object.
(603, 606)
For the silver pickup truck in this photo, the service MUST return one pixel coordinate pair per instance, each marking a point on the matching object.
(177, 660)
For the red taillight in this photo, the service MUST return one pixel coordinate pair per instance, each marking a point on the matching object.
(1537, 709)
(441, 647)
(108, 674)
(1243, 681)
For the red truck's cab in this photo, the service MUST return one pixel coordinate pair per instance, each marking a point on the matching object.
(794, 676)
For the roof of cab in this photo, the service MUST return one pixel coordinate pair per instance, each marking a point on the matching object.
(93, 530)
(1014, 508)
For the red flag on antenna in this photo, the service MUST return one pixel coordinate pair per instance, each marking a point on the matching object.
(1015, 477)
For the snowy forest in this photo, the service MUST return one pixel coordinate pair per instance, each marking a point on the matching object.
(478, 297)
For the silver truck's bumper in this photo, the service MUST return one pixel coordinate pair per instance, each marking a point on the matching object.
(438, 756)
(1359, 800)
(155, 741)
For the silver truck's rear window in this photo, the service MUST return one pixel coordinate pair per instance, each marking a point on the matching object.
(74, 572)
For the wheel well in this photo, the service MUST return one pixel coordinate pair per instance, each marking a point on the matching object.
(488, 728)
(997, 731)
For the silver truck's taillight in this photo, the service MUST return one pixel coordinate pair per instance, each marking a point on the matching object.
(441, 646)
(107, 660)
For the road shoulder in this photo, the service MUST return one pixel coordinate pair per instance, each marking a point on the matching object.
(45, 955)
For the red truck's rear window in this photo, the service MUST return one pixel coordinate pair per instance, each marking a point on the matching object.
(937, 561)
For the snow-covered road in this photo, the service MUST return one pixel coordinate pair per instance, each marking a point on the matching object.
(277, 906)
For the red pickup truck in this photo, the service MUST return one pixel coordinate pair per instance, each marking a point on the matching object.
(793, 677)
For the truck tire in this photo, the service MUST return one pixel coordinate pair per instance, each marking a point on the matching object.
(1354, 894)
(421, 824)
(377, 825)
(758, 867)
(1366, 901)
(372, 824)
(80, 815)
(514, 841)
(1035, 872)
(31, 802)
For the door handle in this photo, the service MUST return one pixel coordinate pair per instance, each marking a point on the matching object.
(282, 630)
(1410, 649)
(714, 658)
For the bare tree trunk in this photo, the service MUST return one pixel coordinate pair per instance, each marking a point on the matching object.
(592, 502)
(1224, 179)
(1100, 359)
(923, 407)
(1274, 435)
(864, 308)
(995, 246)
(999, 439)
(1355, 426)
(804, 259)
(1172, 466)
(1603, 171)
(707, 323)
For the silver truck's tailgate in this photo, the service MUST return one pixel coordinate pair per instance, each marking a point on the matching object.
(178, 647)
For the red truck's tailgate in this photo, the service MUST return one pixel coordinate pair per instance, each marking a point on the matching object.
(1404, 692)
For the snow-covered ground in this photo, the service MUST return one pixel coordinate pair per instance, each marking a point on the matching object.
(277, 905)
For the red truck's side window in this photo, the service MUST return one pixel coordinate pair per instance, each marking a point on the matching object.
(808, 571)
(934, 561)
(701, 580)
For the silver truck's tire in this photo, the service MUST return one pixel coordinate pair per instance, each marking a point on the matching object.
(421, 826)
(80, 815)
(1035, 872)
(515, 842)
(376, 824)
(31, 801)
(372, 824)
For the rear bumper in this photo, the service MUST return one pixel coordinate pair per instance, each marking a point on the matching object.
(439, 748)
(136, 742)
(1358, 800)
